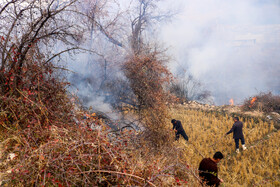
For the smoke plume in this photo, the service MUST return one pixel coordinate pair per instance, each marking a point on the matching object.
(232, 47)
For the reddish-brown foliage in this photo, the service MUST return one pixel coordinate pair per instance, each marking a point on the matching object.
(80, 156)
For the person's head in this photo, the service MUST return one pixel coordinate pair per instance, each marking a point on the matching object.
(173, 121)
(218, 156)
(236, 119)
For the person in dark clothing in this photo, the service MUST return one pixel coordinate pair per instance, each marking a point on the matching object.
(237, 133)
(177, 125)
(208, 170)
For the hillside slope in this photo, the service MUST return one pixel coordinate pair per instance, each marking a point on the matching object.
(257, 166)
(126, 159)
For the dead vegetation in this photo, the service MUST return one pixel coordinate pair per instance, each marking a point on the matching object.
(257, 166)
(53, 145)
(45, 140)
(147, 75)
(53, 149)
(76, 155)
(263, 102)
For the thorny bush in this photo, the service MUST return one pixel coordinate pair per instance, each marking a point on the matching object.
(71, 156)
(38, 98)
(80, 156)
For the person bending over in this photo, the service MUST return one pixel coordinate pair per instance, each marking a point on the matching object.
(179, 130)
(208, 170)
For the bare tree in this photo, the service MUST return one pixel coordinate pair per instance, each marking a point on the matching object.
(34, 23)
(185, 87)
(146, 14)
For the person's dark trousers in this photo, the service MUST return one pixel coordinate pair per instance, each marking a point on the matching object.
(237, 142)
(183, 133)
(177, 135)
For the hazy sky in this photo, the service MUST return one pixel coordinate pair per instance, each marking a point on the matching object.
(232, 46)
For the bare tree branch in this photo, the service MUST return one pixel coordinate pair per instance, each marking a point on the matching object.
(5, 6)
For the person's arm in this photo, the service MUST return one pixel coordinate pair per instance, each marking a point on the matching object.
(214, 177)
(231, 130)
(217, 181)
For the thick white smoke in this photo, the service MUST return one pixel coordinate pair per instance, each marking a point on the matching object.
(233, 46)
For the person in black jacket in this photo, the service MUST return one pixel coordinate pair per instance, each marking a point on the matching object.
(237, 133)
(208, 170)
(177, 125)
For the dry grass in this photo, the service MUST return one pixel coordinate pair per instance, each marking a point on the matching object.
(257, 166)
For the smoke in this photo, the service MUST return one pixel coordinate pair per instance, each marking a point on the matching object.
(90, 75)
(232, 47)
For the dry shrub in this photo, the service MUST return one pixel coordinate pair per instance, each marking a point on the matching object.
(38, 98)
(148, 76)
(264, 102)
(71, 156)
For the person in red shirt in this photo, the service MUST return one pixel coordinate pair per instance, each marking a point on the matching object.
(208, 170)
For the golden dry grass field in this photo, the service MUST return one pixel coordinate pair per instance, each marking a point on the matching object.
(259, 165)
